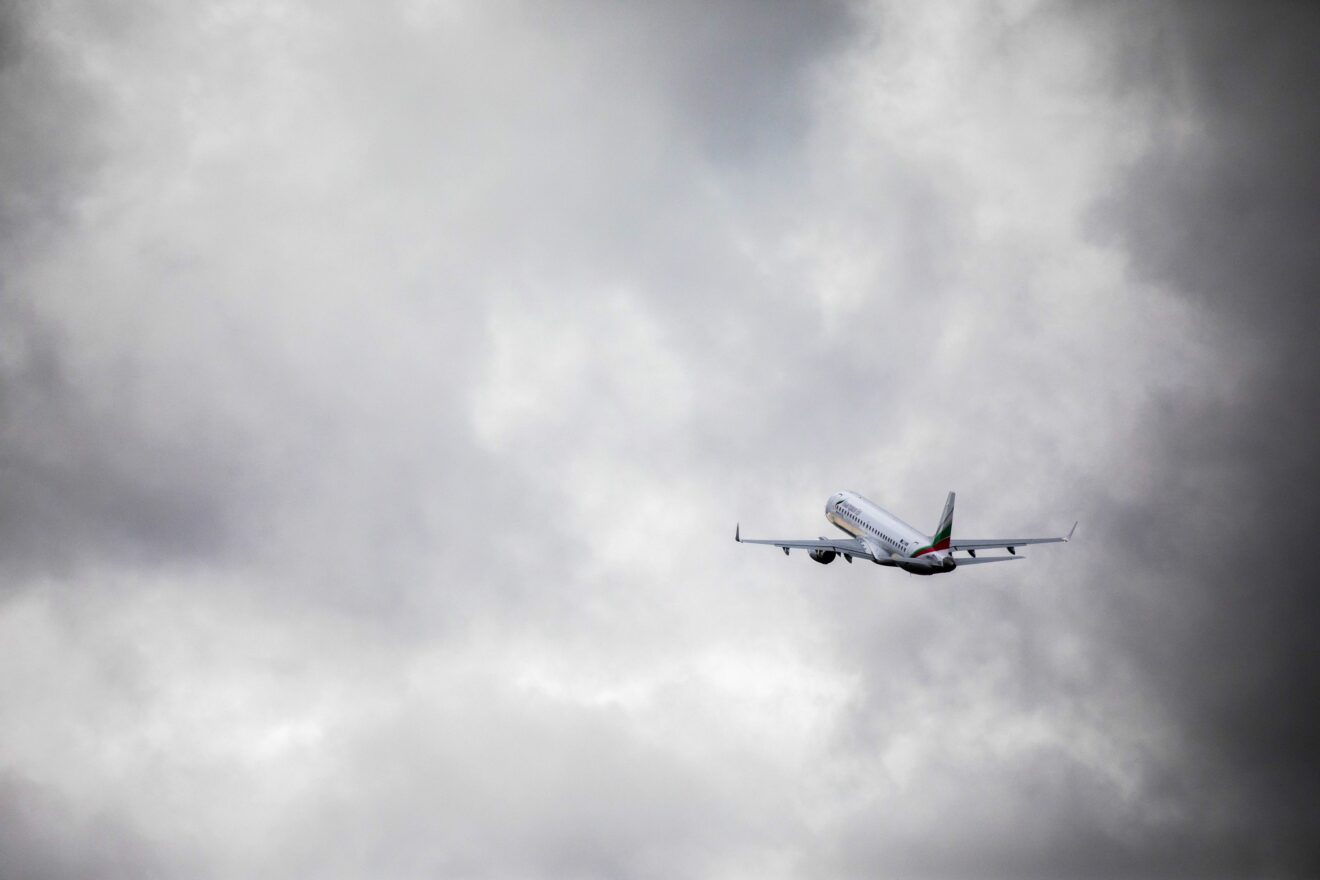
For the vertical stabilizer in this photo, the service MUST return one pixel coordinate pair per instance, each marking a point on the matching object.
(944, 530)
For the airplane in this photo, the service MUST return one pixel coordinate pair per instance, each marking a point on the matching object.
(878, 535)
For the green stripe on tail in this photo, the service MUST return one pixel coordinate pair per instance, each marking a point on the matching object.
(944, 531)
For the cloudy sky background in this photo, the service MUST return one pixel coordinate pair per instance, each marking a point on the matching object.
(380, 383)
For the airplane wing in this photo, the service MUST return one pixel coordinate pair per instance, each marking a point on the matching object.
(979, 559)
(850, 546)
(1010, 543)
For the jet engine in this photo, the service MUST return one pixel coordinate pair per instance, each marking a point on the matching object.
(824, 557)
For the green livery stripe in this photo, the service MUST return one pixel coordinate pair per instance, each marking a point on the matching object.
(941, 542)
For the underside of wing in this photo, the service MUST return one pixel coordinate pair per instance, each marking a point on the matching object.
(850, 546)
(979, 559)
(1009, 543)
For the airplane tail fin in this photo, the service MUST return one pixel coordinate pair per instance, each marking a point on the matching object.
(944, 531)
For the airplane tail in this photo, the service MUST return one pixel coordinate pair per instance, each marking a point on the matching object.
(944, 531)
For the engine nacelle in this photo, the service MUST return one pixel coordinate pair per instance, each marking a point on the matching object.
(824, 557)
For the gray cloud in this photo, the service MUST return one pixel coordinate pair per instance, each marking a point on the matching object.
(78, 476)
(380, 386)
(43, 837)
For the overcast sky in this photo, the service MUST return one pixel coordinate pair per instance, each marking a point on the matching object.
(380, 384)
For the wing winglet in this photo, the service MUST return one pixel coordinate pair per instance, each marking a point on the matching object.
(737, 532)
(1070, 533)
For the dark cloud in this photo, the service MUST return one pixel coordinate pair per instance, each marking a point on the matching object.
(1223, 209)
(82, 483)
(48, 149)
(46, 838)
(742, 71)
(78, 476)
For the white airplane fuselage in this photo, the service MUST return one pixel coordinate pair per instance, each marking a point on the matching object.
(885, 535)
